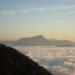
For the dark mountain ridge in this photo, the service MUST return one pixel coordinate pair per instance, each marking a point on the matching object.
(13, 62)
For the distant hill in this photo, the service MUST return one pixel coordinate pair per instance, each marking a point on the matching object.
(32, 41)
(42, 41)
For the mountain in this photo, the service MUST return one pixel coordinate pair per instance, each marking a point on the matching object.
(42, 41)
(32, 41)
(13, 62)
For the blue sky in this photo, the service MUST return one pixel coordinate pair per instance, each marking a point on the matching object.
(24, 18)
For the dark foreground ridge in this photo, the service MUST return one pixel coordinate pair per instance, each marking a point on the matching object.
(14, 63)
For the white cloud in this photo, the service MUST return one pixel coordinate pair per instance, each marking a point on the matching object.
(25, 11)
(66, 9)
(37, 9)
(59, 8)
(12, 13)
(69, 8)
(7, 12)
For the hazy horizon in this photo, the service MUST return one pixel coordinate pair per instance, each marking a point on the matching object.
(35, 36)
(54, 19)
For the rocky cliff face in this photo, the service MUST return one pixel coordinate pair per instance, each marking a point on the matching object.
(14, 63)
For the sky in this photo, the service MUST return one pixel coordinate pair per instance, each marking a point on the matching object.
(55, 19)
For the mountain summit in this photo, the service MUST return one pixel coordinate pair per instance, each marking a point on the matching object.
(32, 41)
(39, 37)
(40, 40)
(34, 37)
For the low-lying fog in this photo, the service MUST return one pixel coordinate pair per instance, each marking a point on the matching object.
(58, 60)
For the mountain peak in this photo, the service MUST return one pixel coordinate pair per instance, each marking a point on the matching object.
(39, 36)
(40, 40)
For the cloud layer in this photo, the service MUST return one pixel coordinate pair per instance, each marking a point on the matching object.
(69, 8)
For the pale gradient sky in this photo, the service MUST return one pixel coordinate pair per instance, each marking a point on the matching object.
(25, 18)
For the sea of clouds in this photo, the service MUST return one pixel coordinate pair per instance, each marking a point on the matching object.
(58, 60)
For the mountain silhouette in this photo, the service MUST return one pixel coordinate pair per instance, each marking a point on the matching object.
(33, 41)
(14, 63)
(42, 41)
